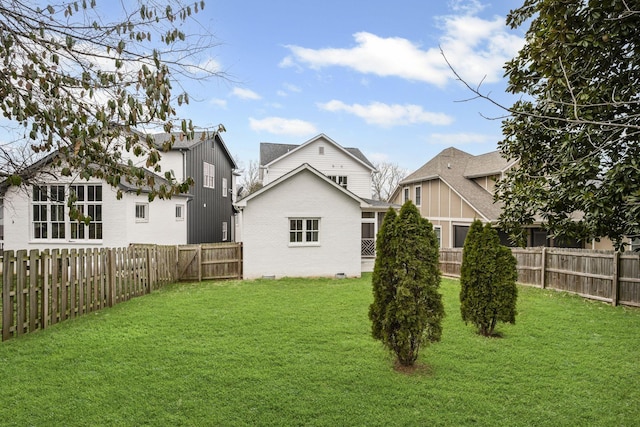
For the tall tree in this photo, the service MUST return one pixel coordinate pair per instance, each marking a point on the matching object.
(250, 178)
(386, 179)
(488, 275)
(576, 130)
(76, 84)
(407, 310)
(383, 279)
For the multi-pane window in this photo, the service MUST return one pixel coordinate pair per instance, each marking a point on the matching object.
(303, 230)
(406, 194)
(179, 212)
(418, 198)
(438, 230)
(209, 175)
(225, 189)
(50, 219)
(339, 179)
(225, 227)
(142, 212)
(89, 203)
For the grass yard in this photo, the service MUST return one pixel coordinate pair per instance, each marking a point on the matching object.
(298, 352)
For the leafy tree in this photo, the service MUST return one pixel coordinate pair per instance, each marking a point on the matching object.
(576, 129)
(488, 291)
(76, 85)
(407, 308)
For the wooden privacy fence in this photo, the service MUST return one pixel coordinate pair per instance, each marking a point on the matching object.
(40, 289)
(601, 275)
(211, 261)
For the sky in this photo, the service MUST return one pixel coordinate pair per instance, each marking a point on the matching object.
(369, 75)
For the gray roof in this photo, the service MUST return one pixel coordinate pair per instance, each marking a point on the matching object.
(271, 151)
(456, 168)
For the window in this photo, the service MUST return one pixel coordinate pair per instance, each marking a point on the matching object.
(418, 198)
(179, 212)
(225, 228)
(303, 230)
(50, 218)
(406, 194)
(225, 190)
(635, 243)
(89, 203)
(209, 175)
(142, 212)
(438, 230)
(321, 150)
(340, 180)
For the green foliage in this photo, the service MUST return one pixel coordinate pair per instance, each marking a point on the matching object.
(79, 85)
(488, 275)
(407, 309)
(576, 130)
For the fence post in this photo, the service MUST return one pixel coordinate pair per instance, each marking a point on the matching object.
(199, 263)
(110, 258)
(7, 303)
(149, 274)
(34, 255)
(615, 282)
(45, 259)
(544, 268)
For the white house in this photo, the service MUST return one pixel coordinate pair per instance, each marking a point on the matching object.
(314, 215)
(37, 217)
(302, 224)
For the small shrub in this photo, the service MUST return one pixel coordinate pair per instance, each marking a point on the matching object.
(407, 309)
(488, 291)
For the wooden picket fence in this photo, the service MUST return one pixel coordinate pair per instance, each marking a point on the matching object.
(608, 276)
(42, 288)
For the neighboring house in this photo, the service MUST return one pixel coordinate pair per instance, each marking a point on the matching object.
(455, 187)
(209, 213)
(37, 216)
(314, 215)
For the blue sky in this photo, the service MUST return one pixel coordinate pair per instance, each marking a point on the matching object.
(367, 74)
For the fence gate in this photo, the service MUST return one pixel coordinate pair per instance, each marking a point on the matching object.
(210, 261)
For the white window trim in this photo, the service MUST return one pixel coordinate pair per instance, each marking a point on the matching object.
(438, 227)
(96, 225)
(181, 217)
(225, 187)
(225, 231)
(406, 194)
(145, 212)
(208, 175)
(304, 230)
(415, 195)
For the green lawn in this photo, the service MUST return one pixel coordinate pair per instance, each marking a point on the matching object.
(298, 352)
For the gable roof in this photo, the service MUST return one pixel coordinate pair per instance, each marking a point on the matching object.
(456, 168)
(182, 143)
(38, 166)
(304, 167)
(270, 152)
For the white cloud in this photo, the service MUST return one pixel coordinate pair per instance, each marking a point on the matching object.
(245, 93)
(208, 66)
(282, 126)
(385, 115)
(476, 47)
(450, 139)
(222, 103)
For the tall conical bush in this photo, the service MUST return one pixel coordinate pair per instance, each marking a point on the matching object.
(488, 291)
(407, 309)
